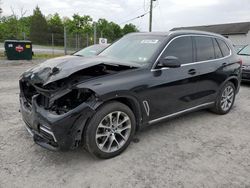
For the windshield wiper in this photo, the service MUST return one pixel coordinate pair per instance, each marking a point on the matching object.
(245, 54)
(78, 55)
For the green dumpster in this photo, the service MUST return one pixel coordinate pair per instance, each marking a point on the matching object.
(18, 49)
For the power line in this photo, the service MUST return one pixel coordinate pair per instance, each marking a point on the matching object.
(140, 16)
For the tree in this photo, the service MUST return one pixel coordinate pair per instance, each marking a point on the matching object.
(9, 28)
(39, 27)
(129, 28)
(24, 24)
(109, 30)
(55, 26)
(79, 24)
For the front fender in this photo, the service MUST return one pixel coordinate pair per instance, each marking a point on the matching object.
(136, 104)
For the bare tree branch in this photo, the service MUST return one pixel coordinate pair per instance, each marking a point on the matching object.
(22, 12)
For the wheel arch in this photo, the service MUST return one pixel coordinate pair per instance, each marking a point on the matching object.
(234, 80)
(129, 101)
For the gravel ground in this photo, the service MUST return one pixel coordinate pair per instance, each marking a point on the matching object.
(197, 150)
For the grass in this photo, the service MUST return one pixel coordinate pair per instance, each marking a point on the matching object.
(36, 56)
(46, 56)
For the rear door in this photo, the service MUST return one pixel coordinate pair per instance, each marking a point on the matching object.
(209, 62)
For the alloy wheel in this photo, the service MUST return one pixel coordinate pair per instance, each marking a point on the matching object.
(113, 131)
(227, 98)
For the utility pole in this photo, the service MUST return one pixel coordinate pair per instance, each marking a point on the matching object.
(151, 15)
(65, 40)
(52, 41)
(94, 32)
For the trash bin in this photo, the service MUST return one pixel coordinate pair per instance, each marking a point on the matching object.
(18, 49)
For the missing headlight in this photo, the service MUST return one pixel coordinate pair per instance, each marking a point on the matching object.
(71, 100)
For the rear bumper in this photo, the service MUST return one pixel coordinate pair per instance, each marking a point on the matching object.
(52, 131)
(245, 75)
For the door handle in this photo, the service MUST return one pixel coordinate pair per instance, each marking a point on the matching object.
(224, 64)
(192, 72)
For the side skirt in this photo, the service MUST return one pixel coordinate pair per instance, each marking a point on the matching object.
(181, 112)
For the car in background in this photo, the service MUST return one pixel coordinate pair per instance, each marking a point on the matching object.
(245, 56)
(92, 50)
(239, 47)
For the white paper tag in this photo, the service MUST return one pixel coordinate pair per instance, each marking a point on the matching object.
(149, 41)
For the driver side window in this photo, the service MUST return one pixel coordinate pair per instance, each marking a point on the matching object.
(181, 48)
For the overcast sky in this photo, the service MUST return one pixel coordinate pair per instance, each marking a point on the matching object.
(167, 13)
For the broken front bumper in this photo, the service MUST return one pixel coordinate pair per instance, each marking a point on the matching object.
(54, 131)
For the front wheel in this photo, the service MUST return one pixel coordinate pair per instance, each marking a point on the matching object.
(110, 130)
(225, 99)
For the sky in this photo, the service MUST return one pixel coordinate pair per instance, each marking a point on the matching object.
(167, 14)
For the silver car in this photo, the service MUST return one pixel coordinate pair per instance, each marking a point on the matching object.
(245, 56)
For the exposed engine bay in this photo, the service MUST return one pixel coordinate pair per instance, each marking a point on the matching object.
(61, 96)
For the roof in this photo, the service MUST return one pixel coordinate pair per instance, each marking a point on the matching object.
(223, 29)
(150, 33)
(173, 33)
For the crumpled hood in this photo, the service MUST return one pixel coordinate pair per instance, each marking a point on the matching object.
(245, 59)
(62, 67)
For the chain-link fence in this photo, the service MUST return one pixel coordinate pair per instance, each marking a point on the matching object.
(61, 43)
(65, 43)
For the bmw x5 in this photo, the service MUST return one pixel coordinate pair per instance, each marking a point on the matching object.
(143, 78)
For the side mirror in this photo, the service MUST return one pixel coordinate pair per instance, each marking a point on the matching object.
(170, 62)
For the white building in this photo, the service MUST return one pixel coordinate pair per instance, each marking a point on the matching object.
(238, 33)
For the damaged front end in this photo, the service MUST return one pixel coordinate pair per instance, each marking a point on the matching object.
(56, 110)
(56, 120)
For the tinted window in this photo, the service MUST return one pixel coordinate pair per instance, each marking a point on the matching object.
(217, 51)
(181, 48)
(204, 48)
(224, 48)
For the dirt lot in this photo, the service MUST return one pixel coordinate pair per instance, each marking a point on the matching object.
(197, 150)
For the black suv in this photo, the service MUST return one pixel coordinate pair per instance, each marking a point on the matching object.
(143, 78)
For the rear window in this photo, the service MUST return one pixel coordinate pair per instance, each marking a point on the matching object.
(217, 50)
(224, 48)
(204, 48)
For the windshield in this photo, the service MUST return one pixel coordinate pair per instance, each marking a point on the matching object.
(245, 51)
(135, 48)
(90, 51)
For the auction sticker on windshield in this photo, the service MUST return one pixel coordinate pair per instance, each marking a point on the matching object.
(152, 41)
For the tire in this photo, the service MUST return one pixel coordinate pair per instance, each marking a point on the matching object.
(220, 107)
(104, 139)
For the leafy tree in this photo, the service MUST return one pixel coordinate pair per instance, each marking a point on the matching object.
(38, 28)
(55, 26)
(109, 30)
(9, 28)
(129, 28)
(24, 24)
(79, 24)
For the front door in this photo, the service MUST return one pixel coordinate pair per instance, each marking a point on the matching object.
(174, 89)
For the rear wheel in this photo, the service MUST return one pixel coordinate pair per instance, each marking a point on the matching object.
(225, 99)
(110, 131)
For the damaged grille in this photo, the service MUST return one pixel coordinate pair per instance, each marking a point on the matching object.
(28, 91)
